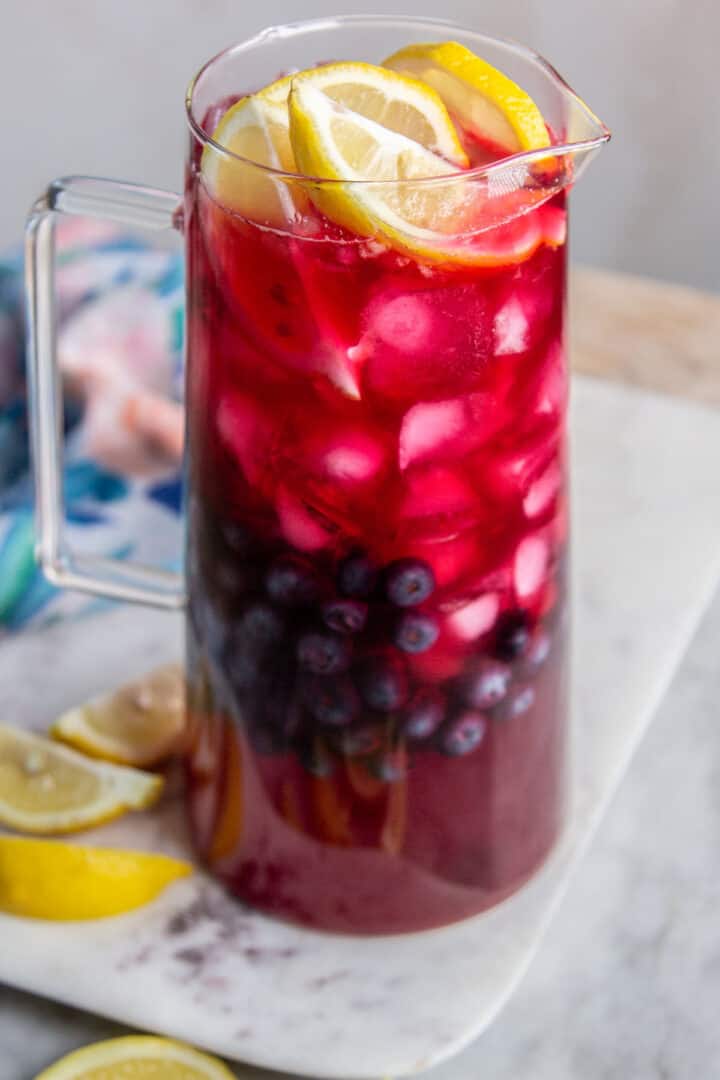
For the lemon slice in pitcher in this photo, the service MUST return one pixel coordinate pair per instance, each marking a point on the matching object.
(48, 788)
(49, 879)
(140, 724)
(333, 142)
(401, 104)
(486, 102)
(255, 131)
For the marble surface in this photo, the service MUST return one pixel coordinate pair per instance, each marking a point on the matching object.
(644, 576)
(626, 983)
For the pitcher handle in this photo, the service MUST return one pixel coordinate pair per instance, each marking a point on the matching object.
(127, 204)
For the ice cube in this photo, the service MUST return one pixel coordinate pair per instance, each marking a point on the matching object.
(437, 493)
(448, 429)
(542, 491)
(552, 390)
(512, 329)
(302, 527)
(513, 473)
(475, 618)
(530, 566)
(247, 433)
(526, 305)
(428, 343)
(429, 426)
(451, 559)
(349, 456)
(404, 322)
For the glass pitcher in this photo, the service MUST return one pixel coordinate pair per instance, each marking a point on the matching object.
(375, 590)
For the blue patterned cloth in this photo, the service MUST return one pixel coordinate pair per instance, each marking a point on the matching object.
(121, 347)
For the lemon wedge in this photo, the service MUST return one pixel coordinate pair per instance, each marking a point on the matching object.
(137, 1057)
(49, 879)
(140, 724)
(47, 788)
(401, 104)
(254, 129)
(333, 142)
(486, 102)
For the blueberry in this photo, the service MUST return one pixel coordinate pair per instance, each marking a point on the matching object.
(357, 576)
(424, 715)
(316, 758)
(409, 582)
(211, 629)
(383, 682)
(360, 740)
(257, 633)
(322, 653)
(291, 582)
(415, 632)
(236, 536)
(488, 685)
(345, 616)
(231, 578)
(261, 625)
(537, 651)
(464, 734)
(331, 701)
(512, 635)
(517, 704)
(389, 767)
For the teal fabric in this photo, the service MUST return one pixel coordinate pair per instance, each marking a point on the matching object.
(108, 511)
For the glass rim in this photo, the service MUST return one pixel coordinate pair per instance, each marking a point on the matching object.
(522, 158)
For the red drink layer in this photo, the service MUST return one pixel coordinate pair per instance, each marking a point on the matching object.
(376, 553)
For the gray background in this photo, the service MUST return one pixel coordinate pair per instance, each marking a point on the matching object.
(97, 86)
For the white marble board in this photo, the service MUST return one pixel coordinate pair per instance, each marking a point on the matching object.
(198, 965)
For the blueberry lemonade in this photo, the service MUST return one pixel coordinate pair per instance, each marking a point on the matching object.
(377, 533)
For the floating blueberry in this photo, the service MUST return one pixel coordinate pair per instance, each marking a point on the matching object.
(357, 576)
(488, 685)
(424, 715)
(253, 638)
(383, 682)
(518, 703)
(331, 701)
(512, 635)
(345, 616)
(537, 651)
(464, 734)
(292, 582)
(261, 625)
(415, 632)
(323, 653)
(389, 766)
(236, 536)
(409, 582)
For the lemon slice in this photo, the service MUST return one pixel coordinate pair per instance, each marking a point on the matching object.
(47, 788)
(137, 1057)
(49, 879)
(333, 142)
(400, 104)
(140, 724)
(254, 129)
(486, 102)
